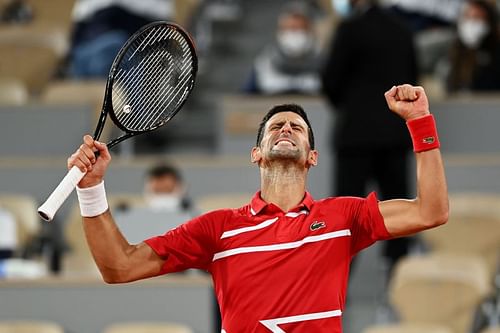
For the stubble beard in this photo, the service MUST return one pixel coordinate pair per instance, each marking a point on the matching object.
(284, 155)
(284, 160)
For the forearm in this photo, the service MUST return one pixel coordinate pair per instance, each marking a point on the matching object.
(107, 244)
(111, 251)
(117, 260)
(430, 208)
(432, 193)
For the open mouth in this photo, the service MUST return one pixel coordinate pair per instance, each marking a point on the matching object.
(284, 140)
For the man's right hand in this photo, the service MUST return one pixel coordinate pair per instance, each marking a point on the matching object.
(85, 159)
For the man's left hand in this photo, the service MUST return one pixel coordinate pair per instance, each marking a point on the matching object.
(407, 101)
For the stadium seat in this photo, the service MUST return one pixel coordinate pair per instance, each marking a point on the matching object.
(71, 92)
(475, 203)
(407, 328)
(31, 54)
(53, 12)
(77, 92)
(492, 330)
(147, 327)
(23, 207)
(12, 92)
(78, 261)
(31, 51)
(442, 289)
(34, 65)
(473, 228)
(26, 326)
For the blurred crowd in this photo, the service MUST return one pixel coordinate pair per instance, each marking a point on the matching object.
(334, 49)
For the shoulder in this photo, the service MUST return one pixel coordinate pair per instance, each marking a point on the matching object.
(222, 216)
(349, 204)
(340, 200)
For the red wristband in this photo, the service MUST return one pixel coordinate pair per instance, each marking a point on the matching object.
(423, 133)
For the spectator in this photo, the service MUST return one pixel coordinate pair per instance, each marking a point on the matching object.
(290, 64)
(426, 14)
(475, 56)
(101, 27)
(371, 51)
(164, 189)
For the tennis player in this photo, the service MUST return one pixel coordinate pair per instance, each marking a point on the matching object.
(280, 263)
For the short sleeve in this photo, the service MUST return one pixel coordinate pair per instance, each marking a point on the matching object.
(190, 245)
(368, 224)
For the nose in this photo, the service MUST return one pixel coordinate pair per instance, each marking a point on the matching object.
(287, 128)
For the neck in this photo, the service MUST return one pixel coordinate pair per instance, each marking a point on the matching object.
(283, 185)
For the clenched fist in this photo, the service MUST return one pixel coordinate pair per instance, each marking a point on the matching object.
(85, 159)
(407, 101)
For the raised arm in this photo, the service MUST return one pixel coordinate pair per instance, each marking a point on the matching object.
(117, 260)
(430, 208)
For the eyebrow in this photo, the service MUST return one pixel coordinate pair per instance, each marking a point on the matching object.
(282, 122)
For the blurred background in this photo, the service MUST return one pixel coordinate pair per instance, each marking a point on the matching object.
(54, 60)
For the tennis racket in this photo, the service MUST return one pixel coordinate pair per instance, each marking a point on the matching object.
(149, 81)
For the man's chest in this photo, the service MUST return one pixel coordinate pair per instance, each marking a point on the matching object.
(292, 264)
(279, 250)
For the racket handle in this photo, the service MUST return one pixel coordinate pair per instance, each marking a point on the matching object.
(49, 208)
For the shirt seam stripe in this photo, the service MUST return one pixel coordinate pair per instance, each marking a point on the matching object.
(235, 232)
(281, 246)
(272, 324)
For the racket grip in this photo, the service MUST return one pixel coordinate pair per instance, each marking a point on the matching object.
(49, 208)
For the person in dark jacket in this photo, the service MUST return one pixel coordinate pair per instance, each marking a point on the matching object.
(371, 51)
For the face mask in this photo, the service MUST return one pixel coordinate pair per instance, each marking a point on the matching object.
(169, 202)
(342, 7)
(471, 32)
(294, 43)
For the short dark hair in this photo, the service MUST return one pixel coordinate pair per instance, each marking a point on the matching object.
(295, 108)
(161, 170)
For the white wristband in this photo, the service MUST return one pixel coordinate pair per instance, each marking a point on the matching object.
(92, 200)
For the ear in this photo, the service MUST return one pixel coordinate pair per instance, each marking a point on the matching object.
(256, 155)
(312, 159)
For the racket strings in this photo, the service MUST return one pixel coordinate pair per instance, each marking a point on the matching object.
(163, 91)
(154, 79)
(167, 93)
(131, 77)
(172, 95)
(134, 96)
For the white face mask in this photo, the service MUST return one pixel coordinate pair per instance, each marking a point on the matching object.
(472, 31)
(342, 7)
(168, 202)
(294, 43)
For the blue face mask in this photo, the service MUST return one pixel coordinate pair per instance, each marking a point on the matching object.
(342, 7)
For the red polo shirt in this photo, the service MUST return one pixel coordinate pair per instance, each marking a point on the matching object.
(277, 271)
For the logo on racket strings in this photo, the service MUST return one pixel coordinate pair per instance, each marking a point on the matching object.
(127, 109)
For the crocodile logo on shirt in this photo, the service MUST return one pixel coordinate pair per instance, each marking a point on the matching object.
(317, 225)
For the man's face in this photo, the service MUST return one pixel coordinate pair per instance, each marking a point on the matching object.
(285, 138)
(165, 185)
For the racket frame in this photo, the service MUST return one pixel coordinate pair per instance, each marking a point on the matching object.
(107, 106)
